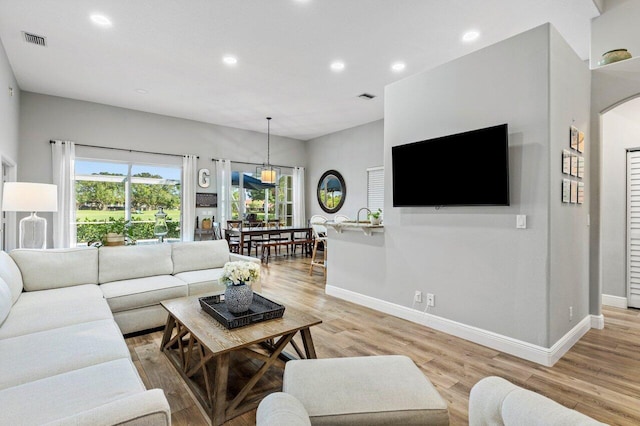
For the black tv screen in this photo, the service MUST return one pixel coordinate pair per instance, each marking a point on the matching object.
(465, 169)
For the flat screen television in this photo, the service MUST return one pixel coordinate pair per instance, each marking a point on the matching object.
(465, 169)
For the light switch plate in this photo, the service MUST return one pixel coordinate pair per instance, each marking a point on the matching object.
(521, 221)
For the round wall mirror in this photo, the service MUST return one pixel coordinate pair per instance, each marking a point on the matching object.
(331, 191)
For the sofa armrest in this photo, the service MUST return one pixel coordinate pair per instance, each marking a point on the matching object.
(281, 409)
(141, 409)
(233, 257)
(485, 401)
(496, 401)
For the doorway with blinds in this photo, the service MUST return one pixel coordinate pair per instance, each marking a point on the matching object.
(633, 228)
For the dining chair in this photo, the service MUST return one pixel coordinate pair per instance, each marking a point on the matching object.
(217, 232)
(234, 240)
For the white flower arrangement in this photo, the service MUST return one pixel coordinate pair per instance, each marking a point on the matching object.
(240, 272)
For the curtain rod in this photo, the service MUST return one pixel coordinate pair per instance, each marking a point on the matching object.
(256, 164)
(125, 149)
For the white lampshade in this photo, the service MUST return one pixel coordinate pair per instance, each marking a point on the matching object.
(29, 197)
(268, 176)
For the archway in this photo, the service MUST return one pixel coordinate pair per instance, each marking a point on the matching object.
(619, 215)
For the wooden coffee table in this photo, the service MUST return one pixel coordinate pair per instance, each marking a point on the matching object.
(199, 347)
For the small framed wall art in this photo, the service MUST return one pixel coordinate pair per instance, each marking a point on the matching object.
(574, 165)
(580, 147)
(566, 162)
(573, 138)
(566, 190)
(574, 192)
(580, 167)
(580, 192)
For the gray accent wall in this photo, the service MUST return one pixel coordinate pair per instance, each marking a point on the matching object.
(9, 109)
(44, 117)
(483, 271)
(569, 104)
(351, 152)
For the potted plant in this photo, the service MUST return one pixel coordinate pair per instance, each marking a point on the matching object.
(116, 231)
(238, 276)
(375, 217)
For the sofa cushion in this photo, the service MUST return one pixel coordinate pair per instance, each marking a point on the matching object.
(124, 263)
(10, 273)
(48, 309)
(194, 256)
(38, 355)
(203, 281)
(140, 292)
(5, 301)
(66, 394)
(45, 269)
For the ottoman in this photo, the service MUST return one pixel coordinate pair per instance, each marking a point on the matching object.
(376, 390)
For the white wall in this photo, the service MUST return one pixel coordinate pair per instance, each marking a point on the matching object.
(619, 132)
(9, 109)
(43, 118)
(484, 272)
(350, 152)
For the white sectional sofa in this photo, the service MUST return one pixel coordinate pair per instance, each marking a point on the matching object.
(63, 358)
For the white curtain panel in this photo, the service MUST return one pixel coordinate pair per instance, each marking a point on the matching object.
(63, 155)
(189, 176)
(223, 183)
(299, 216)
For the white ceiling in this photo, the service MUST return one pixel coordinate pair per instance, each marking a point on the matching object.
(174, 48)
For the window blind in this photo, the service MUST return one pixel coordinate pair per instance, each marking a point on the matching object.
(375, 188)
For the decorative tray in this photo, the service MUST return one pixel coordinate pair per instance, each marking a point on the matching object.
(261, 309)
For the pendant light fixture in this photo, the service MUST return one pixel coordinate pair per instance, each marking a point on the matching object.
(268, 173)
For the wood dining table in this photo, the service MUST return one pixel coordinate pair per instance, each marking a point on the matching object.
(245, 233)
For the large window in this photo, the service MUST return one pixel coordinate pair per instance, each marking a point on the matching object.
(108, 191)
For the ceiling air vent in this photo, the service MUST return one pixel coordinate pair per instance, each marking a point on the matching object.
(34, 39)
(366, 96)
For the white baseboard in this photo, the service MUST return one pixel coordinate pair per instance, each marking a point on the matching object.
(519, 348)
(615, 301)
(597, 321)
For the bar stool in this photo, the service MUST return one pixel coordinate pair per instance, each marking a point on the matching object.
(319, 231)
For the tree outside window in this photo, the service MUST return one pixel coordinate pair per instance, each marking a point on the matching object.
(106, 192)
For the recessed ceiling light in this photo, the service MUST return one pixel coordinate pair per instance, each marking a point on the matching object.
(101, 20)
(470, 36)
(142, 91)
(337, 66)
(230, 60)
(398, 66)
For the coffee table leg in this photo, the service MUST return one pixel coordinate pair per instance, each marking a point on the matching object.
(309, 349)
(219, 397)
(168, 329)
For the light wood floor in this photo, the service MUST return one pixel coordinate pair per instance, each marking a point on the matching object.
(599, 376)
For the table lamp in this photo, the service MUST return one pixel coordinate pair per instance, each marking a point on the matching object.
(31, 197)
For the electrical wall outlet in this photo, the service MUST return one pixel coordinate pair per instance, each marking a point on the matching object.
(570, 313)
(417, 297)
(431, 299)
